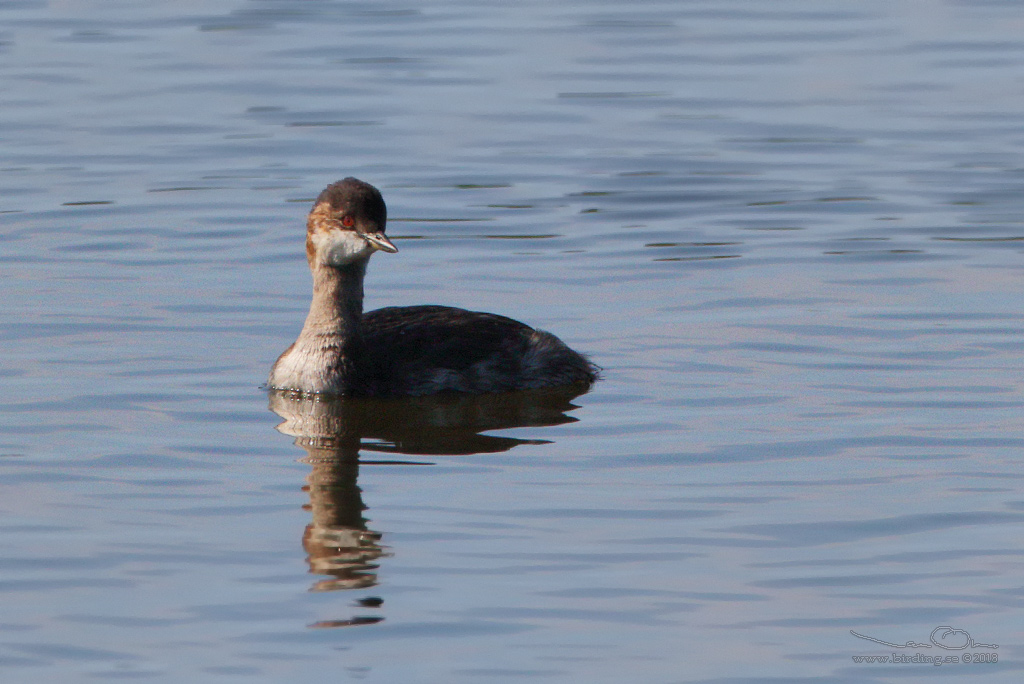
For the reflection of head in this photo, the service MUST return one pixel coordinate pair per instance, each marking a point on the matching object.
(337, 540)
(333, 430)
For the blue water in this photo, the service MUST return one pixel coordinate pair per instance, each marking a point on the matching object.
(790, 232)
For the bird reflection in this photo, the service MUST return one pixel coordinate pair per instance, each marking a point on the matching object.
(339, 545)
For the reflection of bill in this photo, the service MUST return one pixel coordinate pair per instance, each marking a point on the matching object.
(337, 541)
(944, 636)
(339, 544)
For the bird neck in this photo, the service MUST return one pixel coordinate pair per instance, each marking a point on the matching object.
(337, 305)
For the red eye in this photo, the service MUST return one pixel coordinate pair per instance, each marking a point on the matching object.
(347, 221)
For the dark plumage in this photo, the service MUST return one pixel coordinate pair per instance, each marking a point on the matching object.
(413, 350)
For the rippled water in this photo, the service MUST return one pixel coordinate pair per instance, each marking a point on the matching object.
(790, 232)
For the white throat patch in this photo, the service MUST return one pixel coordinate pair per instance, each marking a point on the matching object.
(340, 247)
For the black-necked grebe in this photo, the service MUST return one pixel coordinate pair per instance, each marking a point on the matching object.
(403, 350)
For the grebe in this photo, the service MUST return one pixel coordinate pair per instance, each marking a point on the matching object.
(403, 350)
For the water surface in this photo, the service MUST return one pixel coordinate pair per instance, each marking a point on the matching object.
(791, 234)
